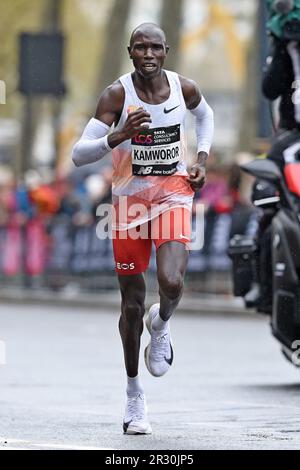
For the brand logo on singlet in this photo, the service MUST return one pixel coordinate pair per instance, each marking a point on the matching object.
(156, 152)
(166, 111)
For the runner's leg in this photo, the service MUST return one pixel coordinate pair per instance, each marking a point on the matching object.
(171, 233)
(171, 259)
(131, 327)
(133, 292)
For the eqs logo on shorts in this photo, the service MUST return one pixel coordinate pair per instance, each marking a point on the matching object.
(125, 266)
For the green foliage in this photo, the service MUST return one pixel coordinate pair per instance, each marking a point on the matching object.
(15, 16)
(82, 53)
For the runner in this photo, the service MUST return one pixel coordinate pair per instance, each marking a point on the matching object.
(152, 196)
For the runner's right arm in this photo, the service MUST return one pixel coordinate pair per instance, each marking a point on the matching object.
(96, 141)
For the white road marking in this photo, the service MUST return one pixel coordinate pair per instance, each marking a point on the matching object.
(14, 448)
(29, 444)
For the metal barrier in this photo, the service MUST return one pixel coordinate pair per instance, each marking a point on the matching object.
(60, 248)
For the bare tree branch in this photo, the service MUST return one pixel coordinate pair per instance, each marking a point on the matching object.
(170, 22)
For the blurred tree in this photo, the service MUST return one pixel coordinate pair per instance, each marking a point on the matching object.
(250, 92)
(249, 105)
(52, 22)
(36, 107)
(170, 22)
(255, 128)
(16, 16)
(52, 15)
(84, 28)
(114, 44)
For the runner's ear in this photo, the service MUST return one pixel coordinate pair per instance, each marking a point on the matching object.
(167, 49)
(129, 50)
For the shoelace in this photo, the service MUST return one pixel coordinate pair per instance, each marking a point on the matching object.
(160, 346)
(136, 407)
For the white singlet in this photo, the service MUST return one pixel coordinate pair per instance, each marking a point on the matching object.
(149, 171)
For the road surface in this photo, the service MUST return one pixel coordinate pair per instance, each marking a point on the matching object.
(63, 384)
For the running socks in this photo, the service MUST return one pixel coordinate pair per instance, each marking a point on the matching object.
(134, 386)
(158, 324)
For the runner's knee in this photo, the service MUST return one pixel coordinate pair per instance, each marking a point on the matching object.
(133, 309)
(171, 285)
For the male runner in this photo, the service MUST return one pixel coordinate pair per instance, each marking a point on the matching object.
(148, 108)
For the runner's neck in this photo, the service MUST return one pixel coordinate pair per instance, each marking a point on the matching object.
(154, 90)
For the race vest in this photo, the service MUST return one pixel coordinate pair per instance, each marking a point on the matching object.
(150, 169)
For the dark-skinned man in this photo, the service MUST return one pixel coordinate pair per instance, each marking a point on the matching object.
(152, 194)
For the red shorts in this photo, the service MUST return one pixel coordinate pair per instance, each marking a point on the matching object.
(132, 248)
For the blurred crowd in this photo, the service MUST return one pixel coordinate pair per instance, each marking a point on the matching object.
(48, 224)
(43, 196)
(40, 195)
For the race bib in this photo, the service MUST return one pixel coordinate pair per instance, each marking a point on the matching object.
(156, 152)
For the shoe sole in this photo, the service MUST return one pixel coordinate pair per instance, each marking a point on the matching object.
(134, 431)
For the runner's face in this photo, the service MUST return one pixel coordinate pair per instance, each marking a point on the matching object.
(148, 53)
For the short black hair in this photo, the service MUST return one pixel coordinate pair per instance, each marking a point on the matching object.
(154, 26)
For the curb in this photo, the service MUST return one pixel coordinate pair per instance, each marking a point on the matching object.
(190, 302)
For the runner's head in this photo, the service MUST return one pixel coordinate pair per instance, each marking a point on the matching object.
(148, 49)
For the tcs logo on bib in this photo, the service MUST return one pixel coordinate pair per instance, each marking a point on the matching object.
(143, 139)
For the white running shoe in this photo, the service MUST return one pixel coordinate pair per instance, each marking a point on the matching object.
(159, 352)
(135, 419)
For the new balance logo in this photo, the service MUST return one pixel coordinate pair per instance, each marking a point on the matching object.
(145, 170)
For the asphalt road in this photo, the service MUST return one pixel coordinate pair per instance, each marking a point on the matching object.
(63, 384)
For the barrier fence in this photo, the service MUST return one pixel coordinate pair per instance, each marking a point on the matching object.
(58, 247)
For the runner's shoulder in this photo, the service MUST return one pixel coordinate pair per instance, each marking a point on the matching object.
(190, 91)
(112, 97)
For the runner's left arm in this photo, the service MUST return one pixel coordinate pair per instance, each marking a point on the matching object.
(198, 106)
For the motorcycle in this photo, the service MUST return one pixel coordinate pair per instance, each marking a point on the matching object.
(285, 250)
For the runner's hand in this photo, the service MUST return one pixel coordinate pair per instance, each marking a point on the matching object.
(197, 176)
(137, 121)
